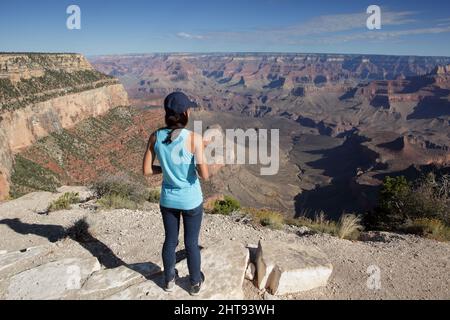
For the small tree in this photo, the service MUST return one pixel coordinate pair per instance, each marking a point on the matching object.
(394, 198)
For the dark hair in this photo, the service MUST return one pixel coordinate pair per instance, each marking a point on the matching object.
(174, 121)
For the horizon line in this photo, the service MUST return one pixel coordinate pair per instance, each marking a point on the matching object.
(286, 53)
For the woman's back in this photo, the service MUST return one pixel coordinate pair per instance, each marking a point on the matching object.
(181, 186)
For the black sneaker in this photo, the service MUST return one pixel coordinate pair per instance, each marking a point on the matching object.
(169, 286)
(195, 289)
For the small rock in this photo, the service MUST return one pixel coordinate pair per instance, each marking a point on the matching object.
(250, 272)
(268, 296)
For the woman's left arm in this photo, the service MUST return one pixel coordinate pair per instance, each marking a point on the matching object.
(149, 158)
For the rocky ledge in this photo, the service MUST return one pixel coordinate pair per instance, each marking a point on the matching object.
(88, 253)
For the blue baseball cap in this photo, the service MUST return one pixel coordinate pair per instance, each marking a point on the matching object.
(178, 102)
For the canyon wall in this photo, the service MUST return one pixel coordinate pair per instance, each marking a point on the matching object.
(43, 93)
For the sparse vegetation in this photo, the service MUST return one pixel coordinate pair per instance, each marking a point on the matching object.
(421, 207)
(429, 228)
(154, 196)
(117, 201)
(226, 206)
(266, 217)
(28, 176)
(52, 84)
(319, 223)
(64, 202)
(120, 192)
(348, 227)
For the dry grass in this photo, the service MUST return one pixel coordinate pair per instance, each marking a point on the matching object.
(349, 226)
(64, 202)
(320, 223)
(430, 228)
(115, 201)
(266, 217)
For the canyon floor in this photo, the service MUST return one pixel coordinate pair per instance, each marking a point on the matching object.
(411, 267)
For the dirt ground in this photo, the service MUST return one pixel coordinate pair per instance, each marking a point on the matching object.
(390, 266)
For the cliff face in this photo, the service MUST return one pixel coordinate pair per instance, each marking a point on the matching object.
(41, 93)
(434, 85)
(17, 67)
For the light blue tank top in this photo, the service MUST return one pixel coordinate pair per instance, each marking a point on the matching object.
(181, 186)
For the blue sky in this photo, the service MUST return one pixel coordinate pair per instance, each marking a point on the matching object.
(139, 26)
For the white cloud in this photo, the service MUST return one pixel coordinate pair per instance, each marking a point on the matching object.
(381, 36)
(317, 26)
(328, 29)
(185, 35)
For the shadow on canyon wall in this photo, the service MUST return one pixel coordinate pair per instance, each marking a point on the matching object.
(343, 194)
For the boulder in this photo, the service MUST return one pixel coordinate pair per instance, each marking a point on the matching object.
(285, 268)
(224, 265)
(251, 271)
(54, 280)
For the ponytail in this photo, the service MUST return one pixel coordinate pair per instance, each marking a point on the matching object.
(174, 121)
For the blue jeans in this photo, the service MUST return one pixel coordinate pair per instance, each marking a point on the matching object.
(192, 220)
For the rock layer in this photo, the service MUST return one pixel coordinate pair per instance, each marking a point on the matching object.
(47, 107)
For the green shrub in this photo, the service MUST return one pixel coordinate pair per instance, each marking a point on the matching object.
(154, 196)
(120, 188)
(115, 201)
(402, 202)
(266, 218)
(320, 223)
(64, 202)
(226, 206)
(429, 228)
(394, 198)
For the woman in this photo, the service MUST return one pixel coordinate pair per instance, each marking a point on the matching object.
(181, 156)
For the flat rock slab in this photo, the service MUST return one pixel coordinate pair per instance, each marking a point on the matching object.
(15, 262)
(224, 265)
(32, 202)
(285, 268)
(53, 280)
(109, 281)
(38, 202)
